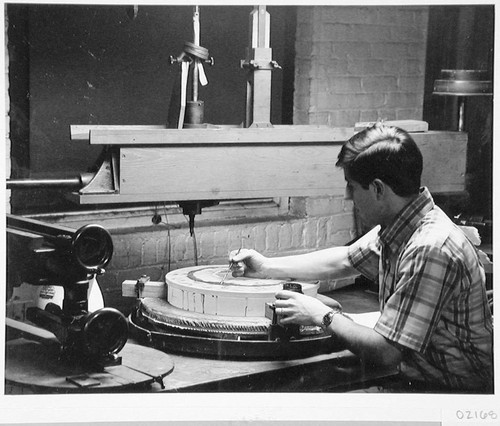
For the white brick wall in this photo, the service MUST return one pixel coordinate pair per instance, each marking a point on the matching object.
(359, 64)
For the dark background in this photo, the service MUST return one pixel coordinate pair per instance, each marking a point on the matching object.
(462, 37)
(86, 64)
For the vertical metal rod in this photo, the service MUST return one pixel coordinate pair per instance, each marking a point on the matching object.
(249, 103)
(461, 113)
(263, 27)
(196, 41)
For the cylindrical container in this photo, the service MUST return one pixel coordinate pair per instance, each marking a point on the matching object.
(195, 113)
(292, 330)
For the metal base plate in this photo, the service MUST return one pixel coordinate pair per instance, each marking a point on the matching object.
(35, 367)
(207, 347)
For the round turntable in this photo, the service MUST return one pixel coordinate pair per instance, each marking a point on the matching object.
(204, 316)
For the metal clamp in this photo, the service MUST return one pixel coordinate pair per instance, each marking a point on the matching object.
(259, 65)
(193, 52)
(140, 284)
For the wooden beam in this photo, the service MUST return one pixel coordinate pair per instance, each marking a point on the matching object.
(408, 125)
(156, 289)
(210, 136)
(181, 165)
(81, 132)
(225, 172)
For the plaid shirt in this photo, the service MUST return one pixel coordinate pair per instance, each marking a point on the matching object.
(432, 296)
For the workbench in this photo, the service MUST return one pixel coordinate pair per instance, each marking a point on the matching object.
(334, 372)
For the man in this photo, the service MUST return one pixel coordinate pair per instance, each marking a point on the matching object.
(435, 323)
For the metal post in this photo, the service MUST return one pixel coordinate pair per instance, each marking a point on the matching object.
(196, 41)
(259, 64)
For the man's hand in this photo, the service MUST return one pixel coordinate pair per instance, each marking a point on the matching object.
(296, 308)
(247, 263)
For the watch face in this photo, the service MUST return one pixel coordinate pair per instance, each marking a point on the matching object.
(327, 319)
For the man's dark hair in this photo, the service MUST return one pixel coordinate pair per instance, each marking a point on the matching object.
(384, 152)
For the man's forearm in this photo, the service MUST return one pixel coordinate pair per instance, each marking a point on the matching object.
(325, 264)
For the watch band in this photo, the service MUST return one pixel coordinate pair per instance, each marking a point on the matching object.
(328, 318)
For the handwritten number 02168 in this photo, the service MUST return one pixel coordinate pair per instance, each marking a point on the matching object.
(476, 415)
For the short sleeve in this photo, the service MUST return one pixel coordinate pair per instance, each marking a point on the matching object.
(364, 254)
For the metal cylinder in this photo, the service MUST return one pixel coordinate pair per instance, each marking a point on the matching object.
(195, 111)
(463, 83)
(292, 330)
(70, 182)
(42, 183)
(104, 332)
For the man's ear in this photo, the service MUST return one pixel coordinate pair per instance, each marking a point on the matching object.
(379, 187)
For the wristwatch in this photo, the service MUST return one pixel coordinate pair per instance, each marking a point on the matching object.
(328, 318)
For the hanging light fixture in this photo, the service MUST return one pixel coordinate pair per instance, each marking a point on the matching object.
(462, 84)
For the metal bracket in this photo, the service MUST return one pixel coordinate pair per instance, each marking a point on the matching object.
(139, 286)
(106, 178)
(259, 65)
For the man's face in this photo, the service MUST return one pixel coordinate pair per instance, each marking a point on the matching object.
(364, 200)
